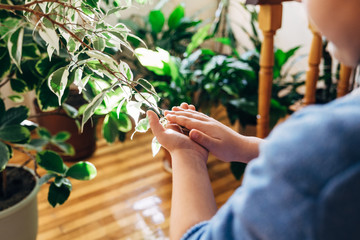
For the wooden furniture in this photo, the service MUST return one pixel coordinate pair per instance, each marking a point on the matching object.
(270, 17)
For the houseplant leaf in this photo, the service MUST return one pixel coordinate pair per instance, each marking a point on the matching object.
(157, 20)
(58, 195)
(176, 16)
(61, 136)
(5, 155)
(67, 148)
(82, 171)
(198, 38)
(15, 115)
(14, 133)
(18, 85)
(5, 60)
(57, 82)
(15, 43)
(109, 129)
(51, 161)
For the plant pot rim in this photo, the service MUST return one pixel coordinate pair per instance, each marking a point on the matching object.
(27, 199)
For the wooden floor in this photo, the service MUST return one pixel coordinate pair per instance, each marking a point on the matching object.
(129, 198)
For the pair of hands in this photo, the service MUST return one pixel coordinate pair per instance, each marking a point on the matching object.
(206, 134)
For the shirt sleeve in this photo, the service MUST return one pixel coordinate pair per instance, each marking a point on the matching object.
(278, 198)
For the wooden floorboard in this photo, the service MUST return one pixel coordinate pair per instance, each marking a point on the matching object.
(129, 199)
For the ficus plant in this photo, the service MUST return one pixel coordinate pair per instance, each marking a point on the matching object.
(48, 47)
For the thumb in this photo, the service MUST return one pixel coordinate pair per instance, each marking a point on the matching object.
(156, 127)
(204, 140)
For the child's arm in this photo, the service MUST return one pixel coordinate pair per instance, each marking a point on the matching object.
(192, 197)
(220, 140)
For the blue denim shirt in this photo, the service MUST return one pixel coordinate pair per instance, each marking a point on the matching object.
(305, 183)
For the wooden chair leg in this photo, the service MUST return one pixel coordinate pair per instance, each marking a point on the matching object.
(269, 21)
(312, 74)
(344, 80)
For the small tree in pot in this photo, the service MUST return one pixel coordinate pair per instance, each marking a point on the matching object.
(47, 46)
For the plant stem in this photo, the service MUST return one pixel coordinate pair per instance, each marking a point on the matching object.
(4, 82)
(3, 183)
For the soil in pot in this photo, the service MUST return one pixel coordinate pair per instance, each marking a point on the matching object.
(19, 184)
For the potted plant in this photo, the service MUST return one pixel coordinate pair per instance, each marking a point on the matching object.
(46, 47)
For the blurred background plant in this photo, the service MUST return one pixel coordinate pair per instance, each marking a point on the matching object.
(206, 77)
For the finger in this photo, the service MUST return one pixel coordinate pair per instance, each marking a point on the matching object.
(156, 128)
(166, 112)
(192, 107)
(188, 122)
(184, 105)
(189, 114)
(178, 109)
(204, 140)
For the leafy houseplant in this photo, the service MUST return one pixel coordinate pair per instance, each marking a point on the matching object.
(49, 46)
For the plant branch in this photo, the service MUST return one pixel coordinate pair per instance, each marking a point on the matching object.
(32, 157)
(4, 82)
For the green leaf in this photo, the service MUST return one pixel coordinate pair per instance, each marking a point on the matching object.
(46, 99)
(224, 40)
(143, 125)
(8, 26)
(14, 133)
(176, 16)
(123, 122)
(155, 61)
(15, 43)
(198, 38)
(157, 20)
(62, 181)
(101, 56)
(5, 65)
(82, 171)
(14, 115)
(43, 133)
(58, 195)
(91, 107)
(37, 144)
(16, 98)
(5, 155)
(18, 85)
(70, 110)
(61, 136)
(57, 82)
(30, 51)
(51, 161)
(109, 129)
(99, 44)
(126, 71)
(67, 148)
(92, 3)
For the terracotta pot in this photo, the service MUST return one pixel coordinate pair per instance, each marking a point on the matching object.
(20, 222)
(84, 143)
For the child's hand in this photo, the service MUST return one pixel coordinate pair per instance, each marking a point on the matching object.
(220, 140)
(174, 141)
